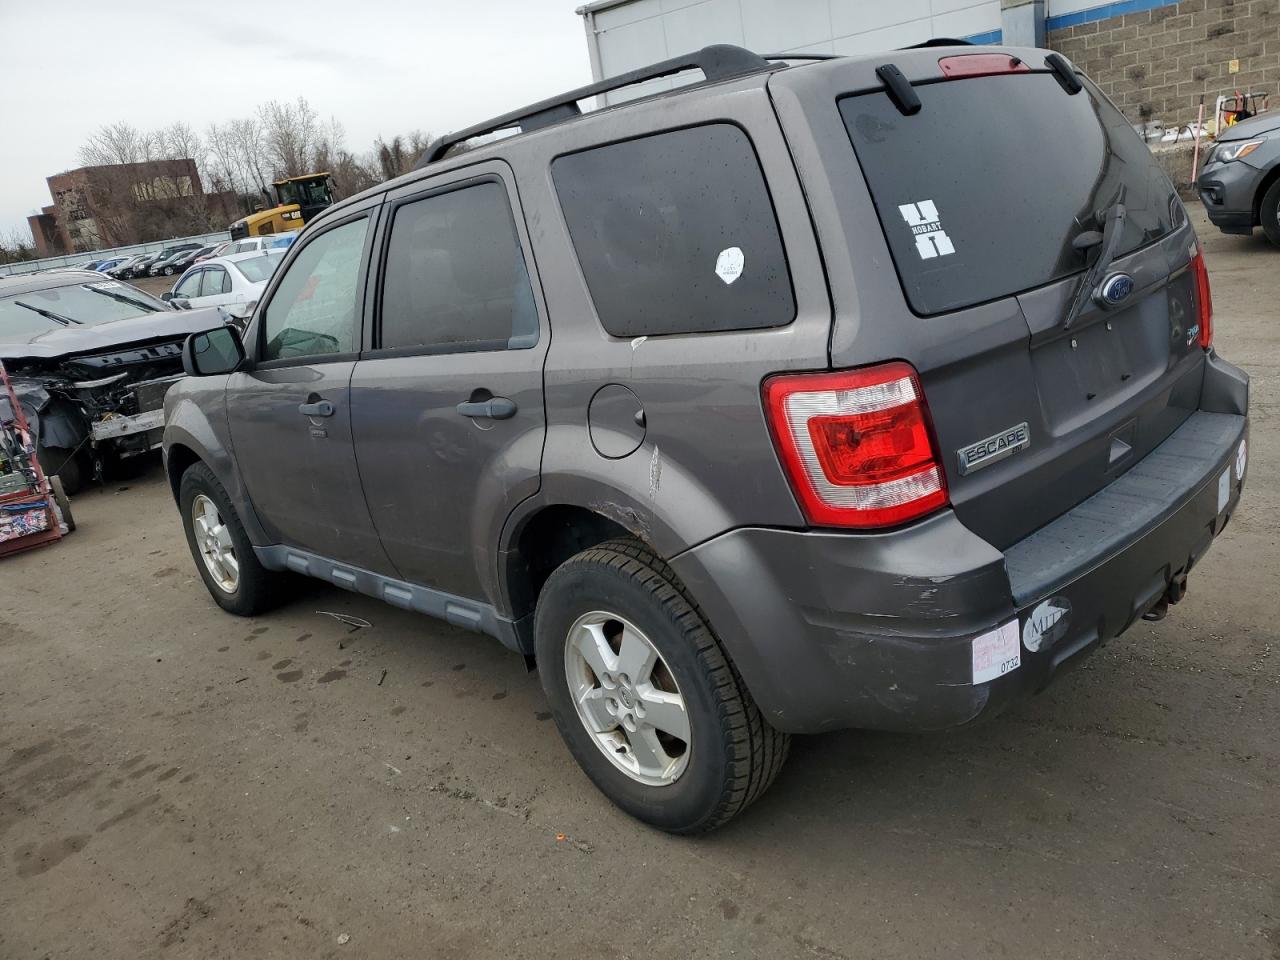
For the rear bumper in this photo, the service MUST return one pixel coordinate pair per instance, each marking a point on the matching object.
(835, 630)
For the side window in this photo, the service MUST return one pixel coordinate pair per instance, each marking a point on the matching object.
(189, 286)
(455, 274)
(313, 310)
(676, 233)
(215, 282)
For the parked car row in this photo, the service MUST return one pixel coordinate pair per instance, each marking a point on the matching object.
(174, 259)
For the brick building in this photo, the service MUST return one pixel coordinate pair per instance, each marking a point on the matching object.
(99, 207)
(1156, 63)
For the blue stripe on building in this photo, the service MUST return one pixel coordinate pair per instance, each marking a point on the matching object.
(1104, 12)
(991, 36)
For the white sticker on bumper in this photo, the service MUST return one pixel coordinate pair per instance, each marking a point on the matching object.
(1224, 489)
(997, 652)
(1242, 457)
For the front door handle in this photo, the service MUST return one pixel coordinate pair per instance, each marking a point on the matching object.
(319, 408)
(495, 408)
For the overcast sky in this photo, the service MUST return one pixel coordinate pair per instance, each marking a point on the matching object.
(380, 67)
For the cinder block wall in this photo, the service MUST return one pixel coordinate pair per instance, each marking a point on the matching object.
(1155, 64)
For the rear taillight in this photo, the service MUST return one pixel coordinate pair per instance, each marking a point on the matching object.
(1204, 299)
(857, 445)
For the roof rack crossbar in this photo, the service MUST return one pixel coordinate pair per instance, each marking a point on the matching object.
(718, 62)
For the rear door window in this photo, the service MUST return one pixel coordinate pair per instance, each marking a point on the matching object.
(676, 233)
(981, 193)
(455, 275)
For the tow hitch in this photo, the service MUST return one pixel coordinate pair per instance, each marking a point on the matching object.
(1176, 591)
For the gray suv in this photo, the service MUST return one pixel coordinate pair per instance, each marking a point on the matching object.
(867, 392)
(1240, 183)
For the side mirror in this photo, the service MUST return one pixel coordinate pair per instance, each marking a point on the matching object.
(213, 352)
(167, 296)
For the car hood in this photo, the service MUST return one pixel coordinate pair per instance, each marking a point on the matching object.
(1254, 126)
(63, 341)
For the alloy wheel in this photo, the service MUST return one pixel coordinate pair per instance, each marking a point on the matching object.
(213, 539)
(627, 698)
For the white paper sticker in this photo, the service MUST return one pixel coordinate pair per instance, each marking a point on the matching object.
(997, 653)
(1224, 489)
(1242, 457)
(729, 264)
(926, 226)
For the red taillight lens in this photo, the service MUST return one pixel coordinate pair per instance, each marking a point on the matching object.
(1204, 299)
(856, 445)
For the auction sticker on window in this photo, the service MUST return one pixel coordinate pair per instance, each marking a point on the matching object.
(997, 652)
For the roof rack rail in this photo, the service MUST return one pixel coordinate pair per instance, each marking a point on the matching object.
(721, 61)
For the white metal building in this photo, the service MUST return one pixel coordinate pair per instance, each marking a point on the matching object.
(625, 34)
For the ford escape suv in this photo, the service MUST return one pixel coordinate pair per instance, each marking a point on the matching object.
(865, 392)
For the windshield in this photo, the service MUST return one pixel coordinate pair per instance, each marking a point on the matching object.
(288, 193)
(981, 193)
(85, 303)
(258, 269)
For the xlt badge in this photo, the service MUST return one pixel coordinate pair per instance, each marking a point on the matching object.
(994, 448)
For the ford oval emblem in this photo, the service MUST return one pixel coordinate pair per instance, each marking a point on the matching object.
(1115, 289)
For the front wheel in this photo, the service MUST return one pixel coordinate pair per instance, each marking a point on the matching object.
(168, 271)
(1269, 213)
(223, 554)
(643, 695)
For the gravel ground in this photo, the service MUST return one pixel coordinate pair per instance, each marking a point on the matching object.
(177, 782)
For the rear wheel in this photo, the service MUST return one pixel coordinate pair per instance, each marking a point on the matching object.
(644, 696)
(1270, 213)
(223, 554)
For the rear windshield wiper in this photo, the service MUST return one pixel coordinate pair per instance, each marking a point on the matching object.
(122, 298)
(1107, 241)
(47, 314)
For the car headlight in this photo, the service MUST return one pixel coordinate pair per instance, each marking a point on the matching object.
(1236, 149)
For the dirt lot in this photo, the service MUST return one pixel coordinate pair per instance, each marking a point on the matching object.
(177, 782)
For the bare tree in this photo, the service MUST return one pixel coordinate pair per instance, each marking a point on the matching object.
(114, 143)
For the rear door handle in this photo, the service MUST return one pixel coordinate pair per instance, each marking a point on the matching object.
(495, 408)
(320, 408)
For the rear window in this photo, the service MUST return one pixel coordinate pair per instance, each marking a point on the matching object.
(981, 193)
(676, 233)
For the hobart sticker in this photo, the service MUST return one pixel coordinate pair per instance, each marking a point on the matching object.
(1224, 489)
(996, 653)
(729, 264)
(1242, 458)
(1047, 624)
(994, 448)
(926, 226)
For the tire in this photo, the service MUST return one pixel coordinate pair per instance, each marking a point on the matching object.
(168, 271)
(1269, 213)
(731, 754)
(255, 589)
(64, 464)
(64, 504)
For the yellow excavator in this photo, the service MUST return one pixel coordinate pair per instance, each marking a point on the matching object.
(292, 201)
